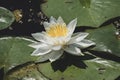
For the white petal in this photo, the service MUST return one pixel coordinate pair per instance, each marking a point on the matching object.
(38, 45)
(73, 50)
(85, 43)
(78, 38)
(41, 37)
(46, 25)
(60, 20)
(75, 34)
(54, 55)
(57, 47)
(71, 26)
(41, 51)
(52, 20)
(43, 58)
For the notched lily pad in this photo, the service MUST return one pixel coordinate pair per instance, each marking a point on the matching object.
(100, 69)
(88, 12)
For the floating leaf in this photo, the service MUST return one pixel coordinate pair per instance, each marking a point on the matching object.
(105, 39)
(6, 18)
(97, 69)
(88, 12)
(101, 70)
(14, 51)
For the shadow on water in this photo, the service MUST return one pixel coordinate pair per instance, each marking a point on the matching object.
(105, 55)
(69, 60)
(112, 20)
(78, 61)
(1, 73)
(118, 78)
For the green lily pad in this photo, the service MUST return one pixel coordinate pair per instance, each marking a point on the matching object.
(6, 18)
(88, 12)
(14, 51)
(105, 39)
(97, 69)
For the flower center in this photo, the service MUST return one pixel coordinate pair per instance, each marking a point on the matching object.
(57, 30)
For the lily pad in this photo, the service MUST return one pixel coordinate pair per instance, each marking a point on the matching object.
(88, 12)
(97, 69)
(14, 51)
(101, 70)
(105, 39)
(6, 18)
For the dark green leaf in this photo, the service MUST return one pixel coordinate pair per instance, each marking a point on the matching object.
(88, 12)
(105, 39)
(97, 69)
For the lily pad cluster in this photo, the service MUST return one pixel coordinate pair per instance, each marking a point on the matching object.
(88, 12)
(95, 17)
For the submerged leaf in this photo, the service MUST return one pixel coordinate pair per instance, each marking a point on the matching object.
(27, 71)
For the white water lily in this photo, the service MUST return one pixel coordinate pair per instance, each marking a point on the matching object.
(58, 37)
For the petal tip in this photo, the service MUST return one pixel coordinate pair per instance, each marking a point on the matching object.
(52, 19)
(33, 45)
(81, 54)
(60, 20)
(52, 60)
(93, 44)
(34, 34)
(30, 45)
(75, 20)
(33, 54)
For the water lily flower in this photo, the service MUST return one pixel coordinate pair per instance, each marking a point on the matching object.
(57, 38)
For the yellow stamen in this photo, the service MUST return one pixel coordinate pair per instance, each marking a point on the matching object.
(57, 30)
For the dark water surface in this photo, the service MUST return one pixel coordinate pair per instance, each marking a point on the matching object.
(31, 20)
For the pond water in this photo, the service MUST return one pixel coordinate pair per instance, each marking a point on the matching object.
(28, 15)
